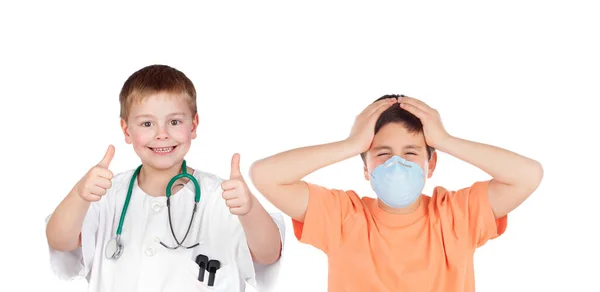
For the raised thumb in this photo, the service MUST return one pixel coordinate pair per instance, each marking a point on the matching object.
(235, 166)
(110, 153)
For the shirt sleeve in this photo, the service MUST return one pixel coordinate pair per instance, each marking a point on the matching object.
(77, 263)
(325, 215)
(261, 277)
(471, 209)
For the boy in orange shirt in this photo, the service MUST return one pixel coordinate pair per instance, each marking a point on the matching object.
(403, 240)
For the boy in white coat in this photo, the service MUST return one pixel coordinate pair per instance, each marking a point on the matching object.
(231, 241)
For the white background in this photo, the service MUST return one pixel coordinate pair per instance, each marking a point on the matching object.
(271, 76)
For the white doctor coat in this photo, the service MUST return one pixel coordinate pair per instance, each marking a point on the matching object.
(145, 265)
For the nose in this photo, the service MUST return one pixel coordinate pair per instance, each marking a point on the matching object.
(162, 134)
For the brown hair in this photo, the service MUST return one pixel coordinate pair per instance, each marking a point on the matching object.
(396, 114)
(154, 79)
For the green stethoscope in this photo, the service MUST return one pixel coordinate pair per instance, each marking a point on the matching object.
(114, 249)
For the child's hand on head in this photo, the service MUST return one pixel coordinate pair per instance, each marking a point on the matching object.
(363, 129)
(237, 196)
(97, 180)
(433, 129)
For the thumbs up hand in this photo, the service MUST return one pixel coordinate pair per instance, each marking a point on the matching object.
(235, 190)
(93, 185)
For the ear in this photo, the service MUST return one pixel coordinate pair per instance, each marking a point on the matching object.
(366, 171)
(125, 128)
(432, 163)
(195, 122)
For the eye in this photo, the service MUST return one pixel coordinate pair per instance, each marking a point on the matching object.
(411, 153)
(146, 124)
(382, 154)
(175, 122)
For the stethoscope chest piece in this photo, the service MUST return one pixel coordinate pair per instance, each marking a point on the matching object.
(114, 249)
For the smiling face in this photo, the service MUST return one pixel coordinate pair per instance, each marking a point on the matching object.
(161, 127)
(395, 139)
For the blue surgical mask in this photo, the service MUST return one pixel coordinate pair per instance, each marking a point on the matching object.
(398, 182)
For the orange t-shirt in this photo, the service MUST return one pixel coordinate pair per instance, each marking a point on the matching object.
(429, 249)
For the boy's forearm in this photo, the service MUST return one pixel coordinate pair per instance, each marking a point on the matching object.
(262, 234)
(291, 166)
(64, 226)
(504, 166)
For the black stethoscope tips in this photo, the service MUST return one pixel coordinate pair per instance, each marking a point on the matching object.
(207, 265)
(202, 262)
(213, 266)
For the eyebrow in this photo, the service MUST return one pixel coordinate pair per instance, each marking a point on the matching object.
(151, 116)
(407, 147)
(143, 116)
(415, 147)
(176, 114)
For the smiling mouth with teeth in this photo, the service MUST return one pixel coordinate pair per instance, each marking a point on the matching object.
(163, 149)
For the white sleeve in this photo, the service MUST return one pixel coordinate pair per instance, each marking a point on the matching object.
(77, 263)
(262, 277)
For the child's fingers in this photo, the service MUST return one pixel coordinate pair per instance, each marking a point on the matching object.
(413, 110)
(230, 194)
(415, 103)
(230, 184)
(233, 203)
(98, 191)
(238, 210)
(375, 115)
(103, 183)
(375, 105)
(103, 172)
(93, 198)
(378, 105)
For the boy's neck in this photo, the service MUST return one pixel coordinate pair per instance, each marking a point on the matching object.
(409, 209)
(154, 181)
